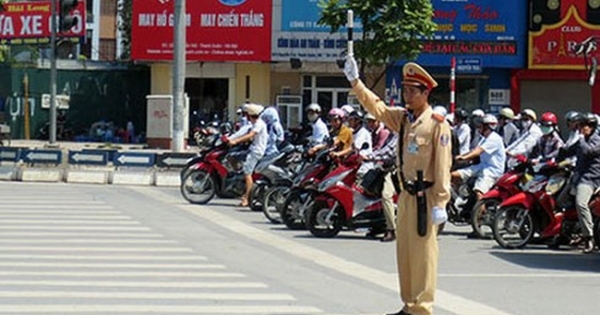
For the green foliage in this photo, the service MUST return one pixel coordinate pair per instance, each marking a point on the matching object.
(392, 29)
(4, 53)
(125, 13)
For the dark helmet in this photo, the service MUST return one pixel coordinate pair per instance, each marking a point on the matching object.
(590, 119)
(477, 121)
(573, 116)
(357, 114)
(461, 114)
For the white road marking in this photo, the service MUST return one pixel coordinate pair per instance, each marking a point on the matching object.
(148, 295)
(95, 249)
(134, 284)
(76, 216)
(42, 201)
(107, 235)
(522, 275)
(106, 265)
(124, 274)
(85, 241)
(154, 309)
(74, 228)
(56, 222)
(445, 300)
(65, 212)
(77, 207)
(96, 257)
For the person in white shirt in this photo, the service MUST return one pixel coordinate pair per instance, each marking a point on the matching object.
(259, 137)
(529, 137)
(361, 138)
(490, 150)
(506, 127)
(475, 137)
(462, 131)
(319, 128)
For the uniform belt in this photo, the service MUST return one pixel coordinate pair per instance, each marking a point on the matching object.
(410, 187)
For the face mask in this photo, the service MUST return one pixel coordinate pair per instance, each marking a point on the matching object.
(526, 124)
(312, 117)
(546, 130)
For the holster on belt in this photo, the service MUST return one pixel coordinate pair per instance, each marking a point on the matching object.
(421, 205)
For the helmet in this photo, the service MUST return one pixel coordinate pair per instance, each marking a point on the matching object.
(590, 119)
(530, 113)
(314, 107)
(490, 119)
(254, 109)
(337, 113)
(450, 118)
(348, 109)
(549, 119)
(368, 116)
(357, 114)
(507, 112)
(461, 114)
(238, 111)
(439, 109)
(573, 116)
(478, 113)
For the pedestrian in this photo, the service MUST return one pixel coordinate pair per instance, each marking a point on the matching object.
(424, 148)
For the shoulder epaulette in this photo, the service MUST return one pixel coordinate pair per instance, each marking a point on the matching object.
(437, 117)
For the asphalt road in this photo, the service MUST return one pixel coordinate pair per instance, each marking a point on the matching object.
(80, 249)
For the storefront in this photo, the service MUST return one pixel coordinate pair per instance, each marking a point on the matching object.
(305, 55)
(487, 40)
(556, 78)
(228, 52)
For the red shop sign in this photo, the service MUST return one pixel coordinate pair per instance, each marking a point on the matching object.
(29, 22)
(553, 47)
(217, 30)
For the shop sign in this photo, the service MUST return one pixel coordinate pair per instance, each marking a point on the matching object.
(29, 23)
(468, 65)
(217, 30)
(495, 30)
(553, 47)
(499, 97)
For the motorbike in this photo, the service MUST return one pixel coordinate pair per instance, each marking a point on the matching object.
(303, 190)
(341, 204)
(213, 175)
(532, 213)
(484, 211)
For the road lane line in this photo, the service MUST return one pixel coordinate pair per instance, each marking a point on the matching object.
(96, 249)
(66, 222)
(29, 201)
(522, 275)
(65, 212)
(107, 235)
(135, 284)
(75, 216)
(108, 265)
(148, 295)
(85, 241)
(444, 300)
(124, 274)
(162, 309)
(73, 228)
(58, 207)
(96, 257)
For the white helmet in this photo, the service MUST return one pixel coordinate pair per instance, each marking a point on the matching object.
(348, 109)
(529, 112)
(507, 112)
(490, 119)
(314, 107)
(478, 113)
(439, 109)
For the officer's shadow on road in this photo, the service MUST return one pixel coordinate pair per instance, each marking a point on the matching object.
(572, 260)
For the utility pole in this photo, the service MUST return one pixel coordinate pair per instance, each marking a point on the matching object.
(53, 26)
(179, 49)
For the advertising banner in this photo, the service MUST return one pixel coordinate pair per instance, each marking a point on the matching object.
(217, 30)
(29, 23)
(552, 46)
(493, 31)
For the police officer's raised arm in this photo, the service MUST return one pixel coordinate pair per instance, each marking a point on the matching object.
(390, 116)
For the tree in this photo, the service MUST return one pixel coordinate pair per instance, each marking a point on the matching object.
(125, 13)
(392, 29)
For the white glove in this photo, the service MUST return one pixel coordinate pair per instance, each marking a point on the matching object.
(351, 69)
(439, 215)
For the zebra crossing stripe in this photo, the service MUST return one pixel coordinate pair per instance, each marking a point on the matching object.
(153, 308)
(148, 295)
(96, 257)
(105, 265)
(134, 284)
(95, 249)
(124, 274)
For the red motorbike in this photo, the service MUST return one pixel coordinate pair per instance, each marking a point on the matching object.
(531, 213)
(213, 175)
(485, 209)
(342, 204)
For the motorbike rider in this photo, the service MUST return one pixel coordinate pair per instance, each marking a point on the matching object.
(586, 177)
(342, 143)
(362, 140)
(379, 133)
(550, 142)
(506, 127)
(475, 136)
(260, 138)
(462, 130)
(529, 136)
(319, 128)
(492, 157)
(573, 118)
(237, 155)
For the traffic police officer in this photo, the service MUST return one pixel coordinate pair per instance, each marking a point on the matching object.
(424, 145)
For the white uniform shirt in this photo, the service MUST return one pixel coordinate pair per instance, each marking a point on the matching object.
(511, 133)
(493, 157)
(360, 137)
(260, 140)
(463, 133)
(526, 141)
